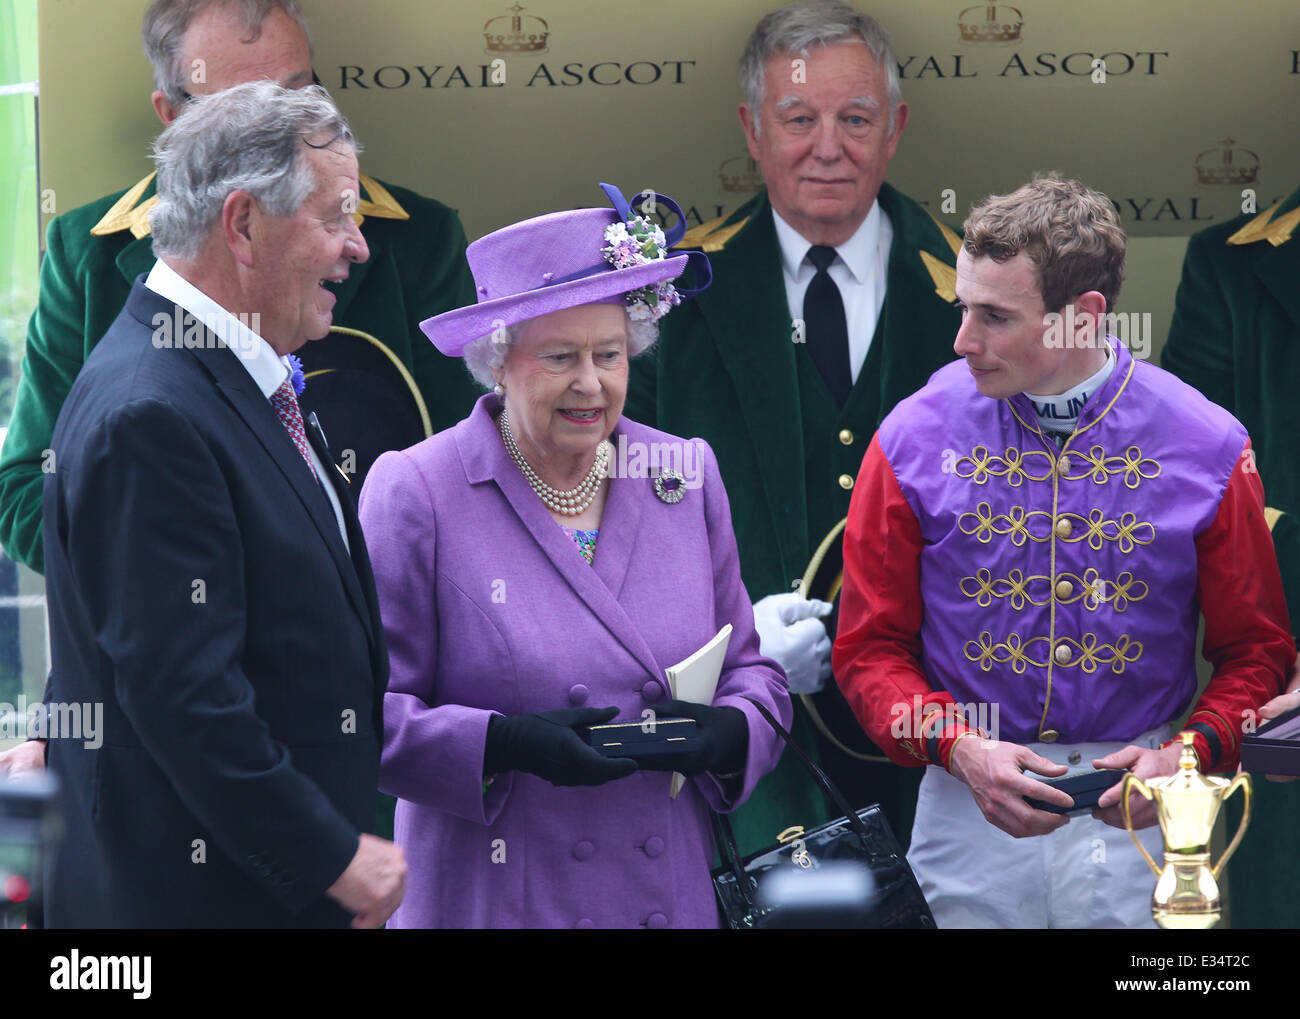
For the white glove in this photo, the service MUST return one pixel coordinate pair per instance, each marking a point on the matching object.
(791, 632)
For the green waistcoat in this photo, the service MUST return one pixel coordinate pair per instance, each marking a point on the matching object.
(94, 253)
(726, 369)
(1235, 336)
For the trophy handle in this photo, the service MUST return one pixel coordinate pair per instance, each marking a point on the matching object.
(1242, 780)
(1131, 782)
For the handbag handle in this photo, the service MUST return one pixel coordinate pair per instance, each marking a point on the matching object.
(818, 775)
(726, 841)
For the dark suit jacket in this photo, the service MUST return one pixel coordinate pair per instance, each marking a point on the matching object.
(199, 589)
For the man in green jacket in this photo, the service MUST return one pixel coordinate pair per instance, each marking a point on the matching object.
(93, 254)
(1235, 336)
(786, 366)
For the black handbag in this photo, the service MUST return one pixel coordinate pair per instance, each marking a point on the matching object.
(863, 837)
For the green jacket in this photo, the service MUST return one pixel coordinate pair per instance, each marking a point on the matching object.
(1235, 336)
(94, 253)
(726, 369)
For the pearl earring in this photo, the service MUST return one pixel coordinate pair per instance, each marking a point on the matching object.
(499, 389)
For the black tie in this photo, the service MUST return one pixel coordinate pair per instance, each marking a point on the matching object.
(827, 328)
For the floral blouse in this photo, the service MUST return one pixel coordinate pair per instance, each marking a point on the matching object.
(585, 540)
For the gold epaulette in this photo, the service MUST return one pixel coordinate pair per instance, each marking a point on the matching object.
(949, 235)
(1265, 228)
(708, 238)
(126, 215)
(380, 204)
(941, 273)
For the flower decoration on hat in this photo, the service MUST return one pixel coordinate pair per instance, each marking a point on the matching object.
(639, 241)
(582, 256)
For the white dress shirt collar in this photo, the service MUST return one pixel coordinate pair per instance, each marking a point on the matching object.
(268, 369)
(858, 253)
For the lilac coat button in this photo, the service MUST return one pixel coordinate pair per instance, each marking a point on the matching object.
(656, 921)
(652, 691)
(584, 850)
(654, 846)
(578, 694)
(585, 924)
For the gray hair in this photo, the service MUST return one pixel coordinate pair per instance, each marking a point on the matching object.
(487, 354)
(253, 138)
(799, 27)
(164, 28)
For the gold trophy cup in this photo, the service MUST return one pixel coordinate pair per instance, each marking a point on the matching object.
(1187, 892)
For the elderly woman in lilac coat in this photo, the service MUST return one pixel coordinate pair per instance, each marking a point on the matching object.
(539, 565)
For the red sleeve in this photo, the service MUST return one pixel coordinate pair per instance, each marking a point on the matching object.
(877, 656)
(1247, 632)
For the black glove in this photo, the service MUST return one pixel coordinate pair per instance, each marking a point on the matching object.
(722, 740)
(546, 745)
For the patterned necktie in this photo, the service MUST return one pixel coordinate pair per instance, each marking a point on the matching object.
(828, 329)
(285, 405)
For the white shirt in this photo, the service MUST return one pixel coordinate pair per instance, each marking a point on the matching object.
(268, 369)
(860, 271)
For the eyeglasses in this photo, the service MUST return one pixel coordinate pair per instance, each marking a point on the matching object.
(315, 80)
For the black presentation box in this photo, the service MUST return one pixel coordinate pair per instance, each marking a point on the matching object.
(644, 739)
(1273, 748)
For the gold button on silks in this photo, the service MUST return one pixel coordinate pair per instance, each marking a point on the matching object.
(1049, 736)
(1063, 528)
(846, 437)
(1064, 589)
(1063, 465)
(846, 481)
(1062, 654)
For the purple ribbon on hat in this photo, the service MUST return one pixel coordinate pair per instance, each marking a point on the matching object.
(694, 259)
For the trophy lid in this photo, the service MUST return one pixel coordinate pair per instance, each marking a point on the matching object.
(1188, 777)
(1187, 783)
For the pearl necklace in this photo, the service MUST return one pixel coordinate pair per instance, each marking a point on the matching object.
(571, 503)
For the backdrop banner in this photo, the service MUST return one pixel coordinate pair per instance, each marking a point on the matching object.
(1181, 113)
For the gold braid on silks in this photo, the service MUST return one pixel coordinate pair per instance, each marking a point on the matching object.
(1013, 467)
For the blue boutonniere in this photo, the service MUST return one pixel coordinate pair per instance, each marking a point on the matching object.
(297, 377)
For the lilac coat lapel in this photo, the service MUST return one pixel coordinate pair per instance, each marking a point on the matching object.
(598, 585)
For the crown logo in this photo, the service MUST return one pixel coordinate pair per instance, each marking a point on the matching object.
(516, 33)
(1227, 165)
(740, 173)
(990, 23)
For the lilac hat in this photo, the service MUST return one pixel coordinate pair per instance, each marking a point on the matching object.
(564, 259)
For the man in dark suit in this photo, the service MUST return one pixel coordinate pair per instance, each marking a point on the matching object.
(208, 582)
